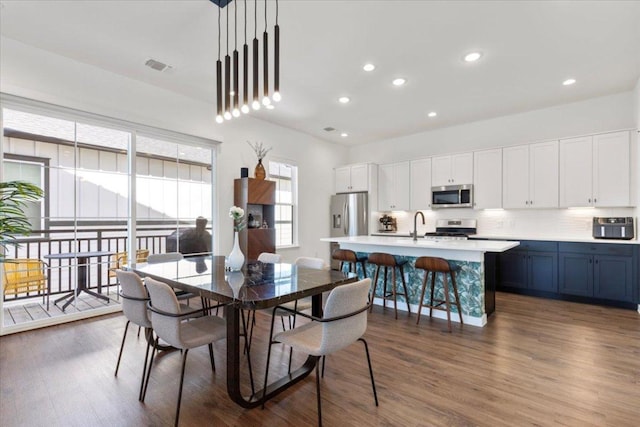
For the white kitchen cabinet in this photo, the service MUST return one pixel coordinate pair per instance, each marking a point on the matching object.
(530, 176)
(456, 169)
(420, 198)
(394, 186)
(353, 178)
(595, 170)
(487, 179)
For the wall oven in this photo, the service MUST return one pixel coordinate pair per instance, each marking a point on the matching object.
(452, 196)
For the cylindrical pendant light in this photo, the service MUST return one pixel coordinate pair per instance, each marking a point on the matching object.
(219, 117)
(227, 78)
(255, 104)
(276, 59)
(236, 85)
(245, 67)
(265, 61)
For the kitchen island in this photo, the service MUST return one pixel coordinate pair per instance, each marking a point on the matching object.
(476, 259)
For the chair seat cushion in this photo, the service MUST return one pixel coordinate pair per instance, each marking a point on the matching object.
(306, 338)
(202, 330)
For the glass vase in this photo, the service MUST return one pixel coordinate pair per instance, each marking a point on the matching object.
(236, 257)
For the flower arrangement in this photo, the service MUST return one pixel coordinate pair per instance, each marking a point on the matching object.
(237, 214)
(260, 150)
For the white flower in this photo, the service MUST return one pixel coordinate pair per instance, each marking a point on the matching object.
(236, 213)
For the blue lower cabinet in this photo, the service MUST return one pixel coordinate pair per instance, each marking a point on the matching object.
(535, 268)
(613, 277)
(576, 274)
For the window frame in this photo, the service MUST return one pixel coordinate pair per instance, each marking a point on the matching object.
(294, 200)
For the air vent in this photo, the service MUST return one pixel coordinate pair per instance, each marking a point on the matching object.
(329, 129)
(156, 65)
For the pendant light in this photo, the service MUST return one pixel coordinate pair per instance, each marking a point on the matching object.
(227, 78)
(236, 96)
(219, 118)
(255, 104)
(276, 59)
(265, 61)
(245, 67)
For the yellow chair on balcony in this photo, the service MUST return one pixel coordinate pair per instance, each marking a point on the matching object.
(26, 276)
(119, 259)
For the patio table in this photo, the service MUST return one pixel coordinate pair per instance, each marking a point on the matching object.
(257, 286)
(83, 274)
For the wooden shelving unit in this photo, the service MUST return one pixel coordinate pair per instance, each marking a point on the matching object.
(257, 197)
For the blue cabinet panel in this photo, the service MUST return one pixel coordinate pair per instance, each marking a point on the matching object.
(613, 277)
(576, 274)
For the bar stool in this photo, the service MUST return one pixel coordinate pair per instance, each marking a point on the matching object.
(438, 265)
(350, 257)
(387, 260)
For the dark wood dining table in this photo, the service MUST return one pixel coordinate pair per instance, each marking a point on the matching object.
(257, 286)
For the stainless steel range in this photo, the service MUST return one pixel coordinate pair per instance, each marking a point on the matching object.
(453, 229)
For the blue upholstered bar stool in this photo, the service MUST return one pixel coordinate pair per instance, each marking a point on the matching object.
(387, 260)
(438, 265)
(351, 258)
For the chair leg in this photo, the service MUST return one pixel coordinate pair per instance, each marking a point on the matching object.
(455, 293)
(124, 336)
(375, 285)
(213, 362)
(433, 287)
(404, 286)
(144, 369)
(393, 291)
(318, 392)
(424, 289)
(323, 360)
(266, 372)
(445, 288)
(364, 270)
(373, 382)
(384, 290)
(184, 362)
(146, 381)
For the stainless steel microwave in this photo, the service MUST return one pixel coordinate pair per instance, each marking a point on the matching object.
(452, 196)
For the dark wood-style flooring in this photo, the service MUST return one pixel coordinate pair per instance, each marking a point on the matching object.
(537, 362)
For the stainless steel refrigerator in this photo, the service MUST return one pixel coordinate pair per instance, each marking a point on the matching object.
(349, 217)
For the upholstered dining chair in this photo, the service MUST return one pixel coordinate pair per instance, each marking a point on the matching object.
(269, 258)
(164, 257)
(344, 322)
(168, 321)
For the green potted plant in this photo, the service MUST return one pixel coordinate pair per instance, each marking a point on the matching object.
(14, 196)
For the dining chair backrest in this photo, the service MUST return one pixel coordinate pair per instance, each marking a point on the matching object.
(165, 257)
(343, 300)
(134, 298)
(269, 258)
(310, 262)
(163, 298)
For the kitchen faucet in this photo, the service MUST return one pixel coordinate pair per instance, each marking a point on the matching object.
(415, 225)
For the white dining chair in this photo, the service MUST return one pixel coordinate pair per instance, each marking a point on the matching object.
(169, 324)
(269, 258)
(344, 322)
(311, 262)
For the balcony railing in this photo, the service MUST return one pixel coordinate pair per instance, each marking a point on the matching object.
(61, 273)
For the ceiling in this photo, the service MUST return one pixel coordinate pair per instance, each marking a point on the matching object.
(529, 48)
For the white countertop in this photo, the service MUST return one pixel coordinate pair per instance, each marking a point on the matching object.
(470, 250)
(557, 239)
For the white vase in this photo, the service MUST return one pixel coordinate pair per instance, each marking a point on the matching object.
(236, 257)
(235, 279)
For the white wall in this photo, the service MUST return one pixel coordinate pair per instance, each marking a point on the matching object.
(37, 74)
(595, 115)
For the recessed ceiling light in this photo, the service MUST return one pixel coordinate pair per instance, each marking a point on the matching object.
(569, 82)
(270, 107)
(399, 81)
(472, 57)
(344, 134)
(344, 99)
(369, 67)
(432, 114)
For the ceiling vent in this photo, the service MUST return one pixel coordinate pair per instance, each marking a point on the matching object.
(157, 65)
(329, 129)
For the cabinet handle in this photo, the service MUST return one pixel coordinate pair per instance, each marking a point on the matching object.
(589, 200)
(596, 261)
(595, 200)
(590, 261)
(530, 202)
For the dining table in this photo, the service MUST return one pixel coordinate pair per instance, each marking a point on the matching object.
(257, 286)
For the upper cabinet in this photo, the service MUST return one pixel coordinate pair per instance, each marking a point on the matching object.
(420, 185)
(354, 178)
(394, 181)
(456, 169)
(530, 176)
(487, 179)
(595, 170)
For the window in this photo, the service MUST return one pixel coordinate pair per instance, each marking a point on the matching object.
(285, 176)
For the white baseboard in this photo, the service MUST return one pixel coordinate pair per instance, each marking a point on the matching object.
(439, 314)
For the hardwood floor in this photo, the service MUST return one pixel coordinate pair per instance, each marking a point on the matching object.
(538, 362)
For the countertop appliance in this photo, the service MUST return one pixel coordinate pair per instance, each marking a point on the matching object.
(613, 228)
(349, 217)
(453, 229)
(388, 224)
(452, 196)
